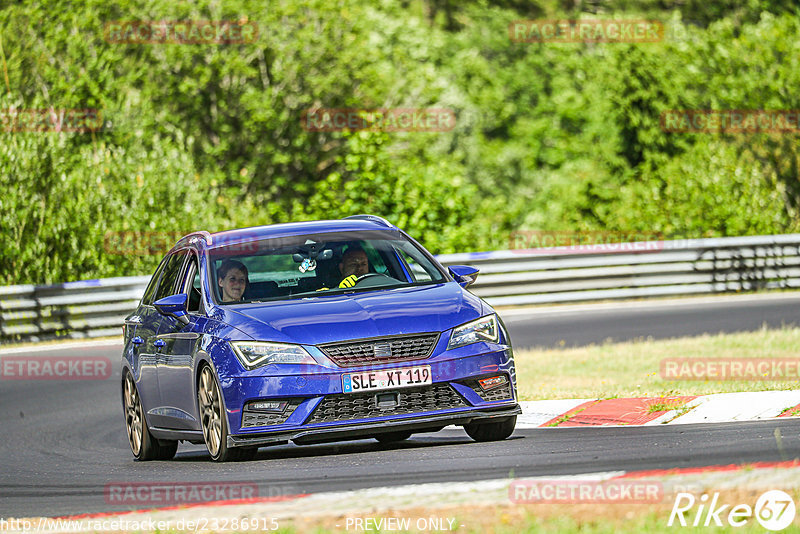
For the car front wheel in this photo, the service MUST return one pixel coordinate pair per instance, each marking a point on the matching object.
(214, 422)
(495, 431)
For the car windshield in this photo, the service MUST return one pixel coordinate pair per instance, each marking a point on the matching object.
(317, 265)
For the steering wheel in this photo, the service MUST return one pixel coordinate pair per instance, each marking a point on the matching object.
(375, 280)
(368, 275)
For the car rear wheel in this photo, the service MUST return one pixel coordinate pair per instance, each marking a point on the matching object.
(143, 445)
(495, 431)
(392, 437)
(214, 422)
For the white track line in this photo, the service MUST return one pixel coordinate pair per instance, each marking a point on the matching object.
(536, 413)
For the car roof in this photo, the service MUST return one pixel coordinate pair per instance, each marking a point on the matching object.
(245, 235)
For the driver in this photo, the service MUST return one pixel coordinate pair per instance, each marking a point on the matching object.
(354, 264)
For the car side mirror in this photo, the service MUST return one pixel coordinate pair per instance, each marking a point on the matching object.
(173, 306)
(464, 274)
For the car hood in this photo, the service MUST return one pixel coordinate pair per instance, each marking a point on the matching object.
(387, 312)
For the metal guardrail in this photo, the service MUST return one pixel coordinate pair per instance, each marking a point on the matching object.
(89, 308)
(93, 308)
(634, 270)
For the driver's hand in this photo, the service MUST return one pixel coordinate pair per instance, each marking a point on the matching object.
(350, 281)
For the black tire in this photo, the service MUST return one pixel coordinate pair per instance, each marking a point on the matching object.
(143, 445)
(495, 431)
(392, 437)
(214, 423)
(166, 449)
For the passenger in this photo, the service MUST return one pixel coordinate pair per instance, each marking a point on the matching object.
(232, 280)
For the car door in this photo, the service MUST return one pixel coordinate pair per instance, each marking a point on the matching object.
(142, 331)
(180, 343)
(152, 351)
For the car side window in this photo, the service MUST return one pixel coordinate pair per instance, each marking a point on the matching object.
(375, 259)
(147, 299)
(169, 279)
(417, 272)
(191, 285)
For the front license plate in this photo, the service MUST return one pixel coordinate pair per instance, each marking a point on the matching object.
(386, 379)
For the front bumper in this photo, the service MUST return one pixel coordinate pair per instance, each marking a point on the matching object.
(317, 409)
(346, 431)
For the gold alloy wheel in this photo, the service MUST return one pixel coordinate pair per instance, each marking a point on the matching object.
(133, 415)
(210, 411)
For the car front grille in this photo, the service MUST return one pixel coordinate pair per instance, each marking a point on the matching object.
(498, 393)
(347, 406)
(252, 418)
(381, 350)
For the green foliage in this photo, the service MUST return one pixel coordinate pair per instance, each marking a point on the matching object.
(430, 197)
(76, 214)
(711, 190)
(548, 136)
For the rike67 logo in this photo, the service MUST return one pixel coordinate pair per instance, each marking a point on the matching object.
(774, 510)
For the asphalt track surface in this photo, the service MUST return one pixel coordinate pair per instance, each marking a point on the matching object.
(63, 442)
(572, 326)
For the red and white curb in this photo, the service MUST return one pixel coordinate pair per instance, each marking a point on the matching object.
(643, 411)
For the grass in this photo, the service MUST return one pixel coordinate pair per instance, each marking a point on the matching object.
(632, 369)
(665, 406)
(566, 417)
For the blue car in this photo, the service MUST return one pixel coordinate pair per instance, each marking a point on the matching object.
(310, 332)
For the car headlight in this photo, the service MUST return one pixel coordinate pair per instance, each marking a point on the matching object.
(483, 329)
(255, 354)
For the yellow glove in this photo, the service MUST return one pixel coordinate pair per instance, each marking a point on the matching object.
(350, 281)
